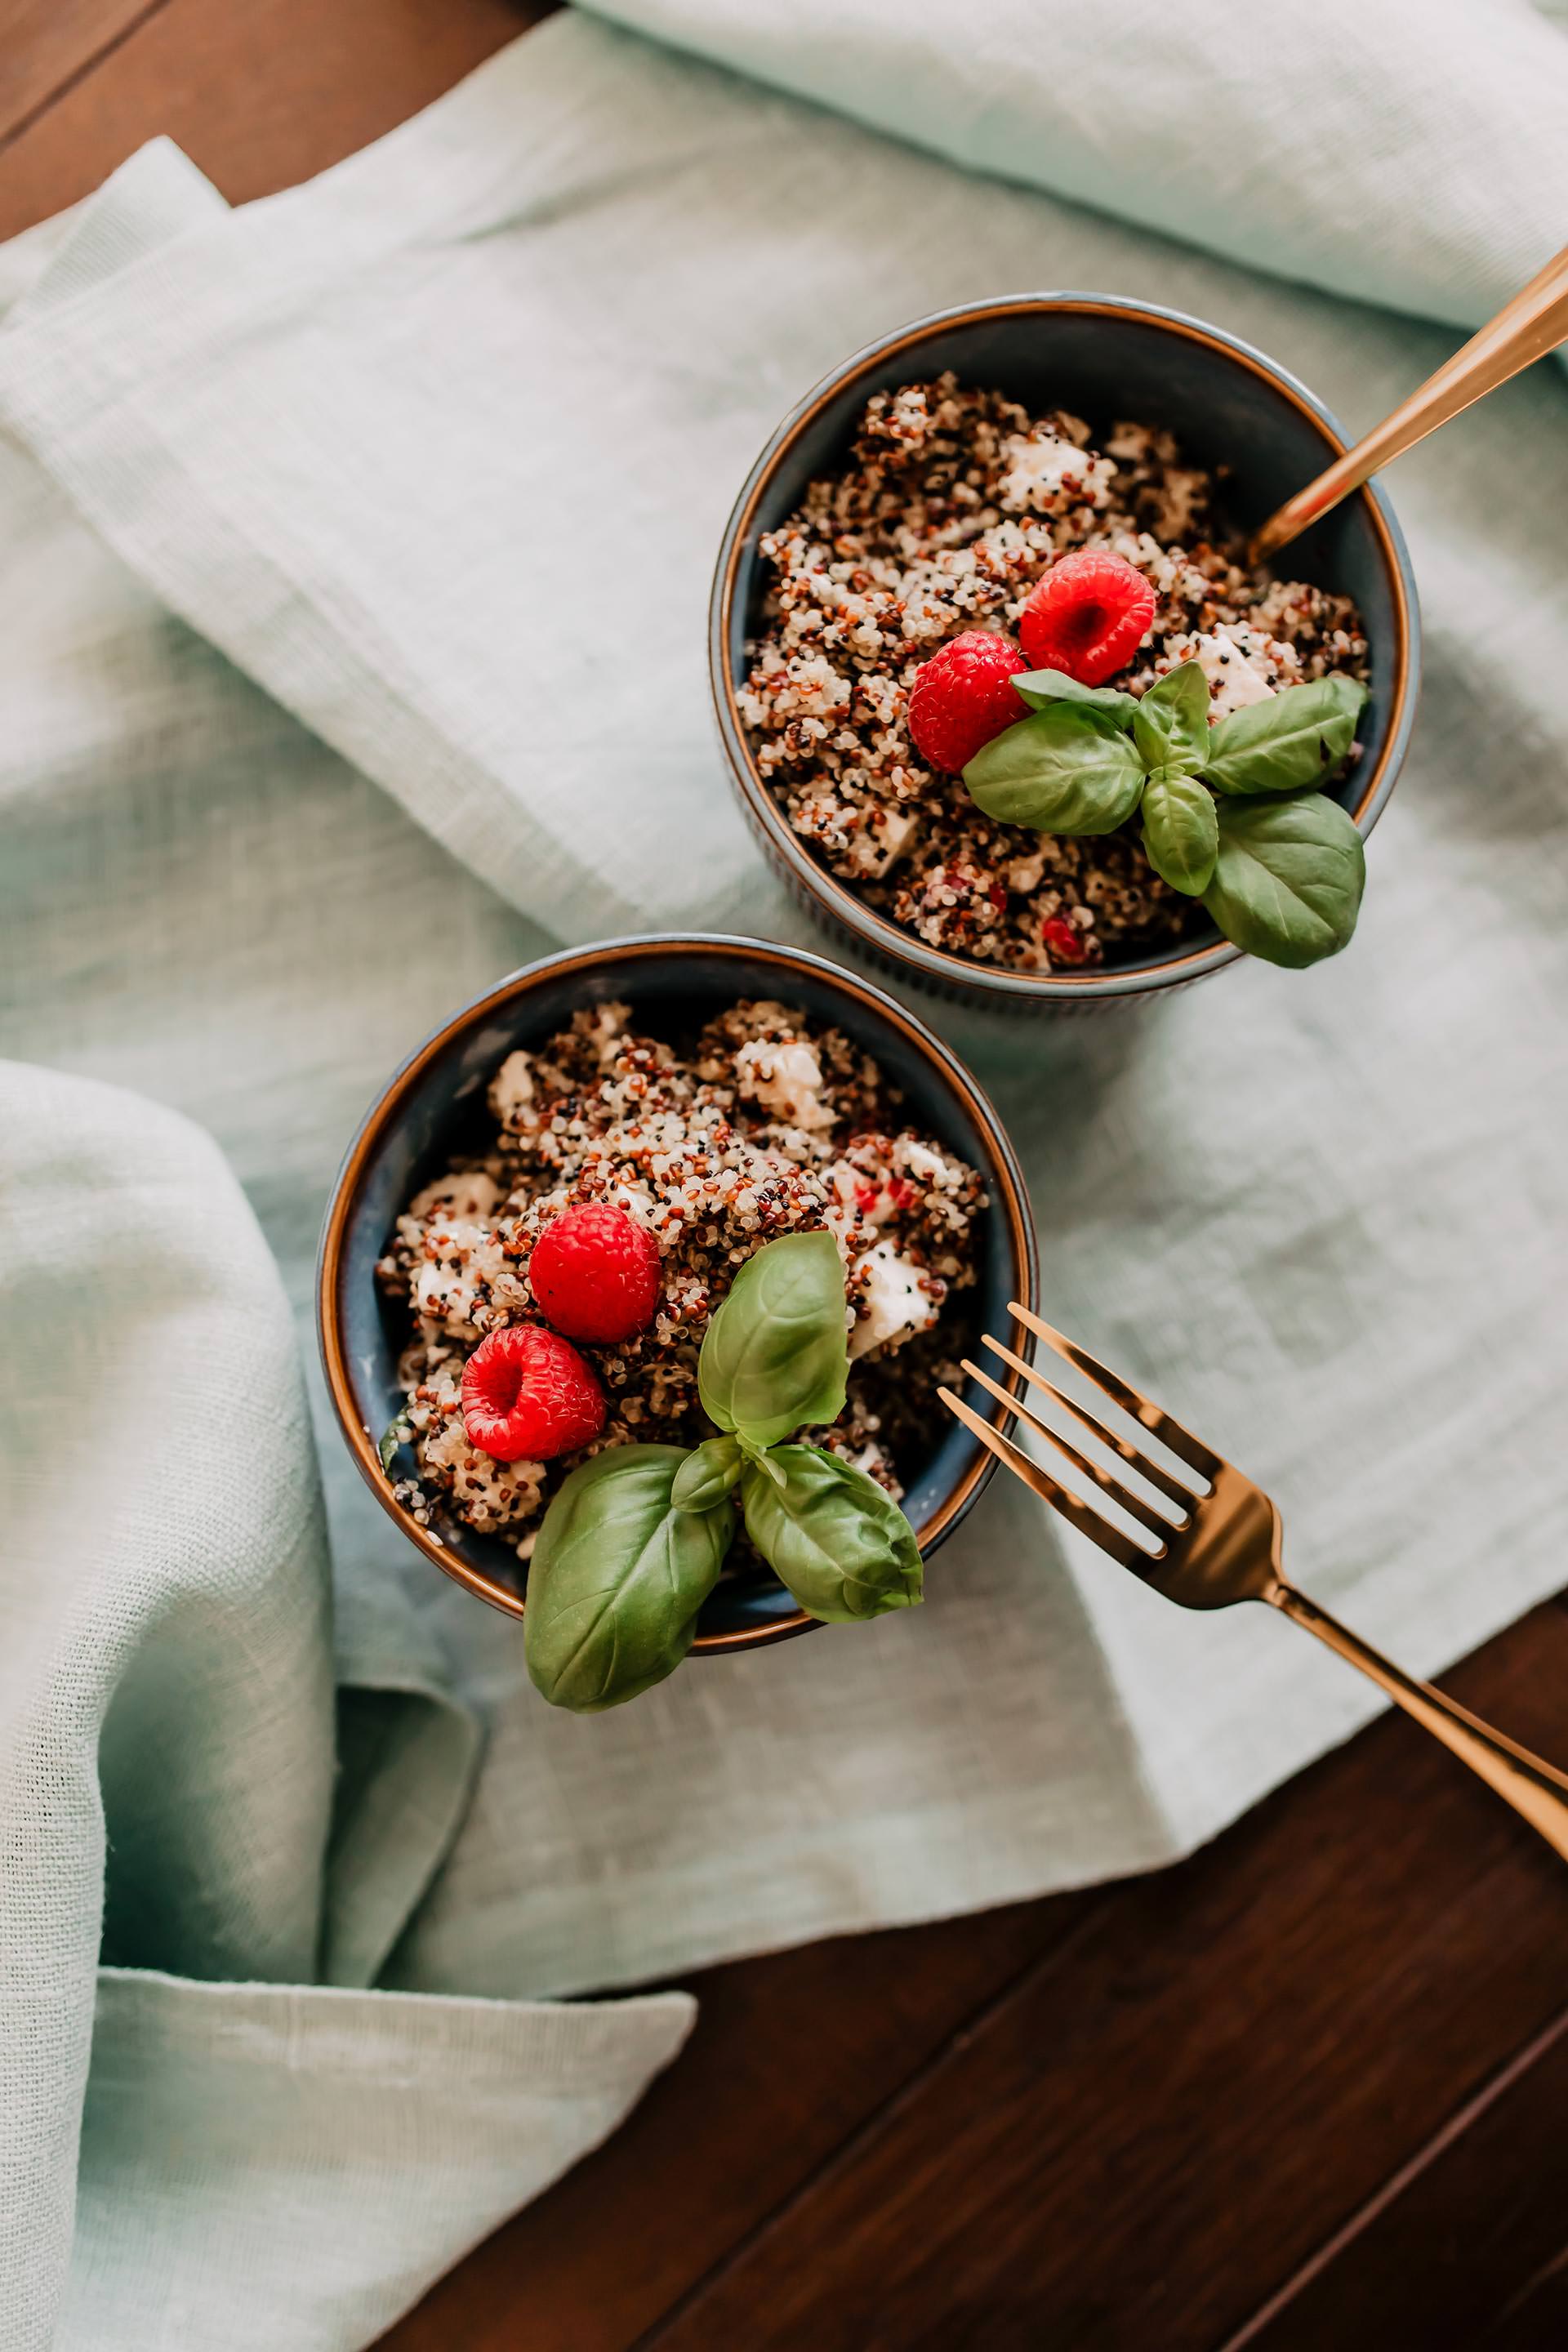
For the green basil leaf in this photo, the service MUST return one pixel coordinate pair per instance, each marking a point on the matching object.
(1041, 687)
(1295, 739)
(617, 1577)
(1171, 725)
(1181, 830)
(775, 1356)
(707, 1475)
(397, 1432)
(1289, 878)
(1068, 769)
(832, 1536)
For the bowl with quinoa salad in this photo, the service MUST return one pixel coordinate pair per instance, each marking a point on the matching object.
(1000, 693)
(647, 1265)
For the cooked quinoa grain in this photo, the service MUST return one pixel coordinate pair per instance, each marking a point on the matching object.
(766, 1123)
(951, 505)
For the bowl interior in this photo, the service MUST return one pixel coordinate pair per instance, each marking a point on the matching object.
(440, 1093)
(1104, 362)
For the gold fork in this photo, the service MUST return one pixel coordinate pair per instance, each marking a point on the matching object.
(1221, 1545)
(1526, 326)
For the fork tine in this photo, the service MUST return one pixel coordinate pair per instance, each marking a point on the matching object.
(1123, 1549)
(1150, 1416)
(1172, 1488)
(1133, 1505)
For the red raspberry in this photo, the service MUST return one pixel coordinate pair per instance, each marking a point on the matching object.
(1088, 616)
(1064, 941)
(964, 696)
(526, 1392)
(595, 1273)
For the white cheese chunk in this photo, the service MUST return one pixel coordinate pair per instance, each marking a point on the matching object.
(785, 1077)
(890, 1288)
(1045, 474)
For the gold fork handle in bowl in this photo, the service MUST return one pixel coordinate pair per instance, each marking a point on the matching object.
(1533, 1787)
(1533, 323)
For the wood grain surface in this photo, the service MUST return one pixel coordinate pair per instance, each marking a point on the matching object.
(1306, 2093)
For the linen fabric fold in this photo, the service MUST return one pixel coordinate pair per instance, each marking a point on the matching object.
(169, 1778)
(356, 549)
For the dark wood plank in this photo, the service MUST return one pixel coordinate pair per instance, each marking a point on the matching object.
(1161, 2122)
(792, 2054)
(47, 44)
(1537, 2318)
(260, 95)
(1438, 2256)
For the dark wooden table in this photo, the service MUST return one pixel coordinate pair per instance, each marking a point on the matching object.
(1308, 2093)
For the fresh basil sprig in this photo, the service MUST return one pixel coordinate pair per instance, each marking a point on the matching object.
(1288, 888)
(776, 1355)
(1171, 725)
(707, 1473)
(1040, 687)
(1287, 877)
(633, 1543)
(1284, 745)
(830, 1533)
(1068, 769)
(1181, 830)
(617, 1577)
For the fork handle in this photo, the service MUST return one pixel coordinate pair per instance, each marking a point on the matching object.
(1534, 323)
(1532, 1787)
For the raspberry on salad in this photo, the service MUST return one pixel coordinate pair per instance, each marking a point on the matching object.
(1065, 941)
(527, 1395)
(595, 1273)
(964, 696)
(1088, 616)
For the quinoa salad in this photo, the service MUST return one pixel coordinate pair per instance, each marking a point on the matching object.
(762, 1124)
(951, 505)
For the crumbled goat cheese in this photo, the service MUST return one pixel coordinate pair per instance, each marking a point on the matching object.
(1238, 664)
(1045, 474)
(877, 846)
(785, 1077)
(890, 1288)
(465, 1259)
(512, 1090)
(467, 1193)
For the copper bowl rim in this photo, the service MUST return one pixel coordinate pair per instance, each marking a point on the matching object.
(645, 948)
(963, 973)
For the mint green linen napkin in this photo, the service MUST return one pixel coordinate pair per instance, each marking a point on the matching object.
(265, 2159)
(313, 681)
(1410, 155)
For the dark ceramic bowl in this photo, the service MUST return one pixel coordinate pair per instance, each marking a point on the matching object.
(674, 983)
(1100, 358)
